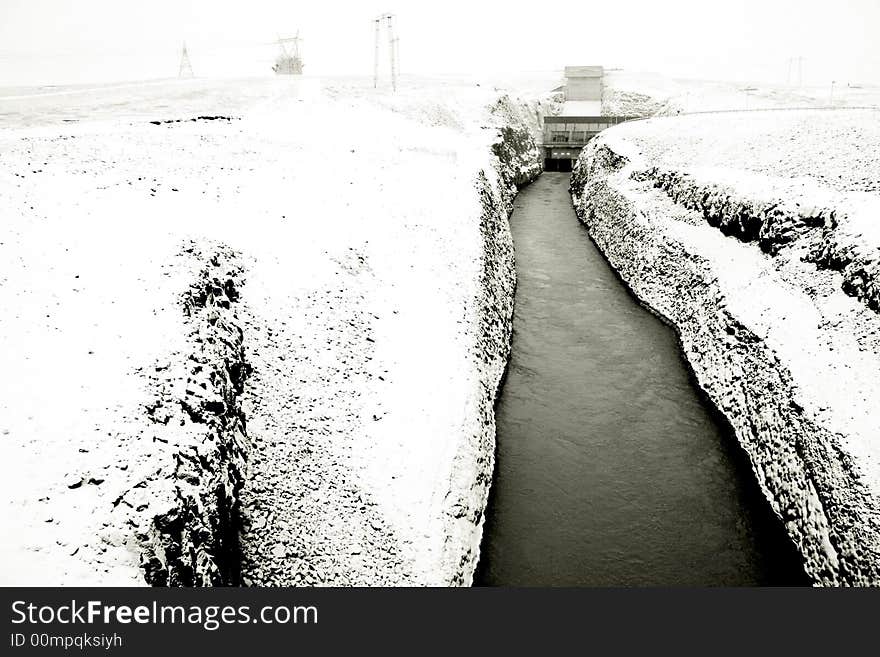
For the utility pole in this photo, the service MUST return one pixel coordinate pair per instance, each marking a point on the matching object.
(185, 70)
(392, 50)
(376, 58)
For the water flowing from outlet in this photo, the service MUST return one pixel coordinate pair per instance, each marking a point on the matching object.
(612, 469)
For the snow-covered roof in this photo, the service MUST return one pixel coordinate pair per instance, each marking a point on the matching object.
(581, 108)
(583, 71)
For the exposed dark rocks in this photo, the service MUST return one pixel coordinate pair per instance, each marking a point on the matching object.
(775, 223)
(859, 265)
(772, 223)
(190, 515)
(228, 119)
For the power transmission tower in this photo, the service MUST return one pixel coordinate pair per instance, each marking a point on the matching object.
(392, 49)
(186, 70)
(290, 61)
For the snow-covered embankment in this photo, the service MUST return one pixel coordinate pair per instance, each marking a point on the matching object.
(258, 349)
(203, 521)
(767, 267)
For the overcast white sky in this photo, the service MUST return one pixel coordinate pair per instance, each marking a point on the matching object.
(63, 41)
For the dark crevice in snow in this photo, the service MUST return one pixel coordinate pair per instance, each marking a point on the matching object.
(193, 537)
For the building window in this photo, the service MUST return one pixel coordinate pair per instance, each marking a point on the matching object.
(559, 137)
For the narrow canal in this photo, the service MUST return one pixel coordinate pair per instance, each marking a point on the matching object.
(611, 469)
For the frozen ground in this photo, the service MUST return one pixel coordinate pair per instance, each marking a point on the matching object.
(336, 228)
(836, 148)
(756, 234)
(632, 92)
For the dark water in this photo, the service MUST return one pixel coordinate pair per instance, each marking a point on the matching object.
(611, 468)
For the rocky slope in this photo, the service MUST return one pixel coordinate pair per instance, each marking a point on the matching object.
(272, 356)
(311, 516)
(767, 268)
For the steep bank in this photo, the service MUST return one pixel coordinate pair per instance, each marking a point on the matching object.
(272, 356)
(385, 481)
(723, 226)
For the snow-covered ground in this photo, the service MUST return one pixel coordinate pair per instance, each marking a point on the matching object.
(338, 229)
(632, 92)
(756, 235)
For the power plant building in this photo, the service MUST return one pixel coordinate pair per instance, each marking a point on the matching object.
(580, 120)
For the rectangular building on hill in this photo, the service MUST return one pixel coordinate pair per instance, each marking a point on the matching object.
(583, 83)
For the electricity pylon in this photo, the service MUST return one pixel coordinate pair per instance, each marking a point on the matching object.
(392, 49)
(186, 70)
(290, 61)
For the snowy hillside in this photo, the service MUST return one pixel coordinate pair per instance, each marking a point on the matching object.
(252, 310)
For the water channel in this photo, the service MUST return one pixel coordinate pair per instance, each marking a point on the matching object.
(612, 469)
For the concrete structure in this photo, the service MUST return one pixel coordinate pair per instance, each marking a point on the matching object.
(580, 120)
(583, 83)
(565, 136)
